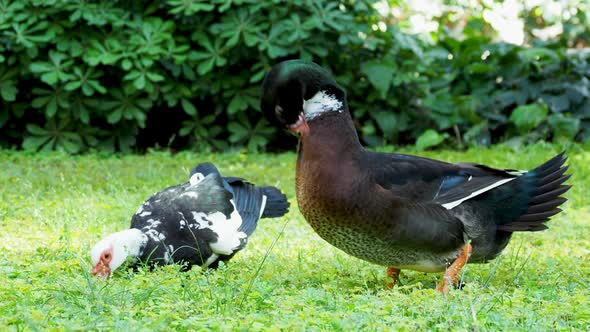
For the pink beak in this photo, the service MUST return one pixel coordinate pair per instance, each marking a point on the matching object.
(103, 270)
(300, 127)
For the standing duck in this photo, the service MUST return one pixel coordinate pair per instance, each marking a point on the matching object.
(396, 210)
(200, 222)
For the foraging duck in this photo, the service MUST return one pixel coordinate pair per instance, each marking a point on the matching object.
(400, 211)
(200, 222)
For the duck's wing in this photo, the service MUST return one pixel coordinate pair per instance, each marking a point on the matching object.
(423, 226)
(415, 191)
(194, 222)
(208, 196)
(517, 200)
(424, 180)
(469, 188)
(249, 201)
(207, 204)
(236, 180)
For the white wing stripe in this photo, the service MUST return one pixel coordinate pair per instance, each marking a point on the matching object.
(262, 206)
(453, 204)
(517, 173)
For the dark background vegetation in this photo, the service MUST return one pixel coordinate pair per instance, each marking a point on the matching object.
(129, 75)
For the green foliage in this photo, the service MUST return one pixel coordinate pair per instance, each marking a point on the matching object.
(429, 138)
(54, 208)
(476, 91)
(528, 117)
(380, 74)
(91, 75)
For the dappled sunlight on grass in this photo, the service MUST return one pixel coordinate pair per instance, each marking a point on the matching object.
(54, 207)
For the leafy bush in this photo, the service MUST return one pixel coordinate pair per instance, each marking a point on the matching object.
(481, 92)
(120, 75)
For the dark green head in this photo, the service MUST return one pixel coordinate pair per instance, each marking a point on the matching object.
(296, 91)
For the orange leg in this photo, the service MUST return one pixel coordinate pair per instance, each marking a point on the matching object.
(392, 277)
(451, 276)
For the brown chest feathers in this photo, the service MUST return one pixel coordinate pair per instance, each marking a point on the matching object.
(342, 203)
(350, 222)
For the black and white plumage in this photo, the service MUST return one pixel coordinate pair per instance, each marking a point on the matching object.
(200, 222)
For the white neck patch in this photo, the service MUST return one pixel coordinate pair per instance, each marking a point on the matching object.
(319, 104)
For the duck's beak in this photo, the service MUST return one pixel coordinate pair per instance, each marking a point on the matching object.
(103, 271)
(299, 128)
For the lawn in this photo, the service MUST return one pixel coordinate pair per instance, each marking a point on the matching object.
(54, 207)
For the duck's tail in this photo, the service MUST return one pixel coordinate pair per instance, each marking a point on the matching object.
(277, 204)
(535, 196)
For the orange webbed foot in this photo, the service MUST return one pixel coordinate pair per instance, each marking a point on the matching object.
(392, 277)
(451, 276)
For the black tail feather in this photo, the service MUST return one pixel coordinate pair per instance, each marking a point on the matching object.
(544, 187)
(531, 217)
(549, 167)
(514, 227)
(542, 198)
(546, 206)
(277, 204)
(548, 186)
(555, 175)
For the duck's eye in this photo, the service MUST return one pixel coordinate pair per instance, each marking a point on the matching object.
(107, 256)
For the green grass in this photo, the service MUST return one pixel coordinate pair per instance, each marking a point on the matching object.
(54, 207)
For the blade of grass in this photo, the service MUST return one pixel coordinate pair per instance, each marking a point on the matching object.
(247, 291)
